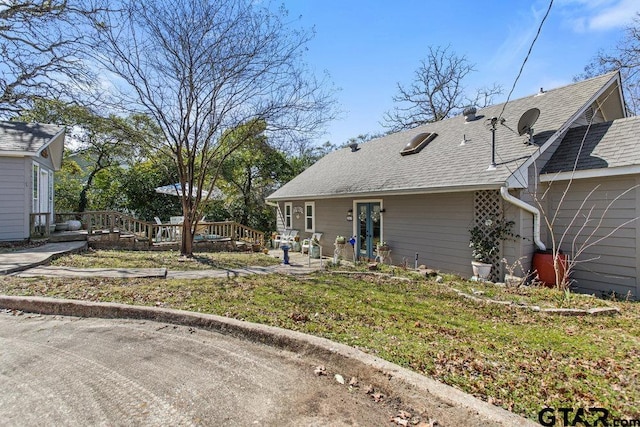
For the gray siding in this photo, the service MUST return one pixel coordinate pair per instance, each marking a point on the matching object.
(15, 199)
(434, 226)
(330, 221)
(611, 264)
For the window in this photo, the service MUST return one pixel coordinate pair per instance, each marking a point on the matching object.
(309, 216)
(288, 208)
(50, 195)
(35, 185)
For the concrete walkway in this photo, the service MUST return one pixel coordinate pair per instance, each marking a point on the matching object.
(11, 262)
(30, 263)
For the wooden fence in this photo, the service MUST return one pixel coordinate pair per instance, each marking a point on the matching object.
(112, 221)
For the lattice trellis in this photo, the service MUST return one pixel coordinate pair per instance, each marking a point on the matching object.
(487, 205)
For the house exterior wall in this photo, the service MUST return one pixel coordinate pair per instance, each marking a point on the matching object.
(517, 251)
(330, 220)
(611, 265)
(15, 198)
(434, 226)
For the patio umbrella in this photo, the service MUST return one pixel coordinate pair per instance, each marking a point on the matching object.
(176, 190)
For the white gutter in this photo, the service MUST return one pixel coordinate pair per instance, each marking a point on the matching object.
(504, 192)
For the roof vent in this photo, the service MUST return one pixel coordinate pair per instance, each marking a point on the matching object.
(418, 143)
(540, 92)
(469, 114)
(354, 147)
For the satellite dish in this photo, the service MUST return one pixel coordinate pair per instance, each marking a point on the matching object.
(527, 120)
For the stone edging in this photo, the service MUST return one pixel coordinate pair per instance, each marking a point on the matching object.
(598, 311)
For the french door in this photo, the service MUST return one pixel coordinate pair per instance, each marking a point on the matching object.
(42, 190)
(369, 229)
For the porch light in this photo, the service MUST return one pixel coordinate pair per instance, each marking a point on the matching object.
(350, 215)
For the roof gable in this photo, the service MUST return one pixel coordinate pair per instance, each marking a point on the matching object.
(32, 139)
(602, 145)
(458, 159)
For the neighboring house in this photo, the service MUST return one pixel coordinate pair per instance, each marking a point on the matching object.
(29, 155)
(423, 201)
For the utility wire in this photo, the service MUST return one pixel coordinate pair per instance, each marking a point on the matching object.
(526, 58)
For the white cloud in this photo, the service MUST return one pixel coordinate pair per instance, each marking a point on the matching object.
(598, 15)
(518, 40)
(616, 16)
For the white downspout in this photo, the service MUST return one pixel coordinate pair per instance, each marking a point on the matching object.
(504, 192)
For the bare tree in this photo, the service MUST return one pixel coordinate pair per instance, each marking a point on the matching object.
(41, 50)
(201, 67)
(624, 57)
(437, 92)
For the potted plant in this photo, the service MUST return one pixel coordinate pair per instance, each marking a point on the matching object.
(382, 246)
(485, 241)
(314, 248)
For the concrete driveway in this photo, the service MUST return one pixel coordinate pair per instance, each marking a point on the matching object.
(57, 370)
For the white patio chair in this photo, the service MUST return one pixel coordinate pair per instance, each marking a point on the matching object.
(161, 230)
(308, 242)
(290, 239)
(176, 227)
(280, 237)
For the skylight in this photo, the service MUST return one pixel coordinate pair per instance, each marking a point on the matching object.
(418, 143)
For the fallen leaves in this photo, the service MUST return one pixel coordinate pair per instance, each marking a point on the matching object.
(299, 317)
(403, 418)
(377, 397)
(320, 370)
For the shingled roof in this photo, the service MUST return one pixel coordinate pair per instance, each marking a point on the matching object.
(445, 164)
(18, 139)
(26, 137)
(606, 145)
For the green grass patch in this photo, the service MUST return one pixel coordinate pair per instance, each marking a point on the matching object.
(518, 359)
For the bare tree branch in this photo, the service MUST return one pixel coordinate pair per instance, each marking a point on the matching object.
(626, 58)
(436, 93)
(42, 45)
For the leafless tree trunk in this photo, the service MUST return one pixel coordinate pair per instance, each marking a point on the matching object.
(201, 67)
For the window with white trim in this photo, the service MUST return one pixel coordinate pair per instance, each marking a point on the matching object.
(309, 216)
(288, 209)
(50, 195)
(35, 186)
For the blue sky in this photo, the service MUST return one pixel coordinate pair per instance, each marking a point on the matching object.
(367, 47)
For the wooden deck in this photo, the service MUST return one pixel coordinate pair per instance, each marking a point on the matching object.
(115, 225)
